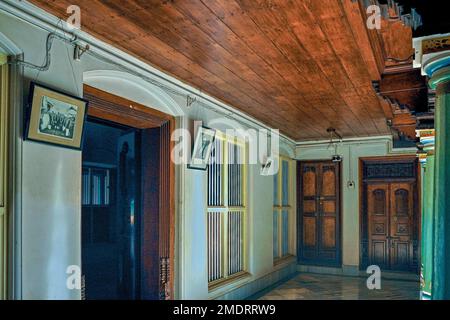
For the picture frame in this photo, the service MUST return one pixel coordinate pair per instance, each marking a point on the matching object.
(55, 118)
(201, 151)
(266, 168)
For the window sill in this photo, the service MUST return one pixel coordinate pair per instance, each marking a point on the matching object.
(218, 284)
(284, 260)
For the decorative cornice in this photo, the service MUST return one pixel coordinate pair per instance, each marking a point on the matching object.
(435, 45)
(432, 53)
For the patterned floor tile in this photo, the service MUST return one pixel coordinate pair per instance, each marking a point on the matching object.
(329, 287)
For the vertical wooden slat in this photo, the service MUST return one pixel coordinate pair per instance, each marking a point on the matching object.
(166, 240)
(214, 246)
(227, 187)
(218, 245)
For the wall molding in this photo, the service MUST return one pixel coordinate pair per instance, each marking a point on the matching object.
(8, 47)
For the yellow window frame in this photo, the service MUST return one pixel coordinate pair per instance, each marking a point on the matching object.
(224, 209)
(279, 207)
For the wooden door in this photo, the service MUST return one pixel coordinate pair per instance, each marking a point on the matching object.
(390, 224)
(401, 226)
(319, 213)
(378, 224)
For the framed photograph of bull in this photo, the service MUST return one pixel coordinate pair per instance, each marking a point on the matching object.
(55, 117)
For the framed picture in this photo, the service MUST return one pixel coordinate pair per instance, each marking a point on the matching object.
(202, 148)
(55, 118)
(266, 168)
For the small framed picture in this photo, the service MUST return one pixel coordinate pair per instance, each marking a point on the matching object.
(270, 166)
(202, 148)
(55, 118)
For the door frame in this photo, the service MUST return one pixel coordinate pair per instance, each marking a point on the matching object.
(300, 218)
(116, 109)
(416, 200)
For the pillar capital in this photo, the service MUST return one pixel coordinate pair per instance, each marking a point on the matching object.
(432, 55)
(439, 75)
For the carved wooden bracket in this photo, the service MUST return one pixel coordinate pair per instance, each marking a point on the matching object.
(406, 94)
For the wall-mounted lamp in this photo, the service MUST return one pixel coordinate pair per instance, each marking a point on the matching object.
(336, 157)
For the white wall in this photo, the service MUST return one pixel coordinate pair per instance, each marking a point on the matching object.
(351, 152)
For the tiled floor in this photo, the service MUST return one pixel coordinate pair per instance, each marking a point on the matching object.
(307, 286)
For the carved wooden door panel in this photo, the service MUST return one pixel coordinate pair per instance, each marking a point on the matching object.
(401, 225)
(309, 212)
(390, 225)
(378, 224)
(319, 214)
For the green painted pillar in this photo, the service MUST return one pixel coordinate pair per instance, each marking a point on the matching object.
(440, 81)
(427, 229)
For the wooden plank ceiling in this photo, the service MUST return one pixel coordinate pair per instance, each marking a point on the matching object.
(297, 65)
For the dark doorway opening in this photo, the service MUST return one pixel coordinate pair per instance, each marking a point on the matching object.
(128, 200)
(111, 211)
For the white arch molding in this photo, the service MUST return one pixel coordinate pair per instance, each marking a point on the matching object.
(133, 88)
(8, 47)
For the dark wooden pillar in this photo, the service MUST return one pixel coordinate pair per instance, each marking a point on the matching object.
(150, 214)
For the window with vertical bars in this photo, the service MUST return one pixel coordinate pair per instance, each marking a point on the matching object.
(226, 209)
(282, 209)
